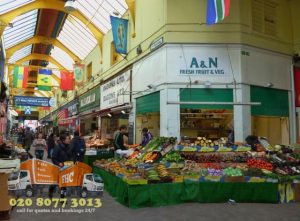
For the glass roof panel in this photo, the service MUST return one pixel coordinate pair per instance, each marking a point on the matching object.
(26, 63)
(62, 57)
(98, 11)
(23, 29)
(21, 53)
(83, 43)
(8, 5)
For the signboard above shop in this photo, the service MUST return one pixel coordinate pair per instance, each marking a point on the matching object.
(115, 92)
(34, 101)
(89, 100)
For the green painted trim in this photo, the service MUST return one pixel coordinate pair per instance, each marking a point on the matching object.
(206, 95)
(148, 104)
(274, 102)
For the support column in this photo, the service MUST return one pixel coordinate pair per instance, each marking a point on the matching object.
(242, 113)
(132, 124)
(169, 113)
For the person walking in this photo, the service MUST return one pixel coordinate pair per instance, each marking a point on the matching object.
(28, 139)
(51, 145)
(147, 136)
(39, 145)
(77, 147)
(59, 156)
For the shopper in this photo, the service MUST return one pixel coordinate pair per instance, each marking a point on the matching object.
(119, 143)
(28, 139)
(5, 152)
(21, 137)
(51, 145)
(147, 136)
(77, 147)
(59, 156)
(39, 145)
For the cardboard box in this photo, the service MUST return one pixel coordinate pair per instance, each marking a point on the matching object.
(297, 192)
(234, 179)
(4, 203)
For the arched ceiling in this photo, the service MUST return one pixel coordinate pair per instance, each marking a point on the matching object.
(39, 32)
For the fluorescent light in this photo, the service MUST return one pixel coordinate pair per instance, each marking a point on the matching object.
(109, 115)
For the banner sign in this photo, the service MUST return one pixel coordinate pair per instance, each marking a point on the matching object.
(113, 92)
(34, 101)
(120, 32)
(89, 100)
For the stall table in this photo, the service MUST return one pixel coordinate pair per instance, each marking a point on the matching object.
(164, 194)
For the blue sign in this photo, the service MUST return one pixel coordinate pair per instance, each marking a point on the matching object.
(120, 32)
(27, 110)
(34, 101)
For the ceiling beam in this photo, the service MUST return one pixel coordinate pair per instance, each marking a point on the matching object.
(41, 40)
(58, 5)
(41, 57)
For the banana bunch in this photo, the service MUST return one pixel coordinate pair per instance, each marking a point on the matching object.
(162, 171)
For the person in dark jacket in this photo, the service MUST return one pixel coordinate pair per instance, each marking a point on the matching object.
(77, 147)
(5, 152)
(28, 139)
(51, 145)
(61, 151)
(59, 156)
(147, 136)
(119, 143)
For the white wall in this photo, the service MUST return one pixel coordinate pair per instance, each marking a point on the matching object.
(150, 70)
(262, 67)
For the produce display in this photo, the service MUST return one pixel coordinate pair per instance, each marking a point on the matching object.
(162, 160)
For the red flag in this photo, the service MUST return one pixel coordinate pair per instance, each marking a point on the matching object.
(297, 86)
(66, 80)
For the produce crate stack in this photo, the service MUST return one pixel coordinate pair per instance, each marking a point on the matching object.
(5, 208)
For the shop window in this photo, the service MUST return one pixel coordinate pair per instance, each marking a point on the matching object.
(89, 70)
(115, 57)
(264, 19)
(209, 123)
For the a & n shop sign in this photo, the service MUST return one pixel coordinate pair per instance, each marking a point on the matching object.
(208, 66)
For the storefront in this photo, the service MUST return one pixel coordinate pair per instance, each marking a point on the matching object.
(115, 105)
(148, 115)
(68, 118)
(214, 92)
(89, 111)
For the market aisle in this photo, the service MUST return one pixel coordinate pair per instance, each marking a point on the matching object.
(111, 210)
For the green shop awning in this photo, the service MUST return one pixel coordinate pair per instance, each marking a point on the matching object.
(274, 102)
(206, 95)
(148, 104)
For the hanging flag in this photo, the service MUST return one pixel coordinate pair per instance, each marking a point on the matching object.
(44, 80)
(297, 85)
(78, 74)
(20, 77)
(217, 10)
(66, 80)
(120, 32)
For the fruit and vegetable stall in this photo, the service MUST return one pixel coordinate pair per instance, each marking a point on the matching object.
(166, 172)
